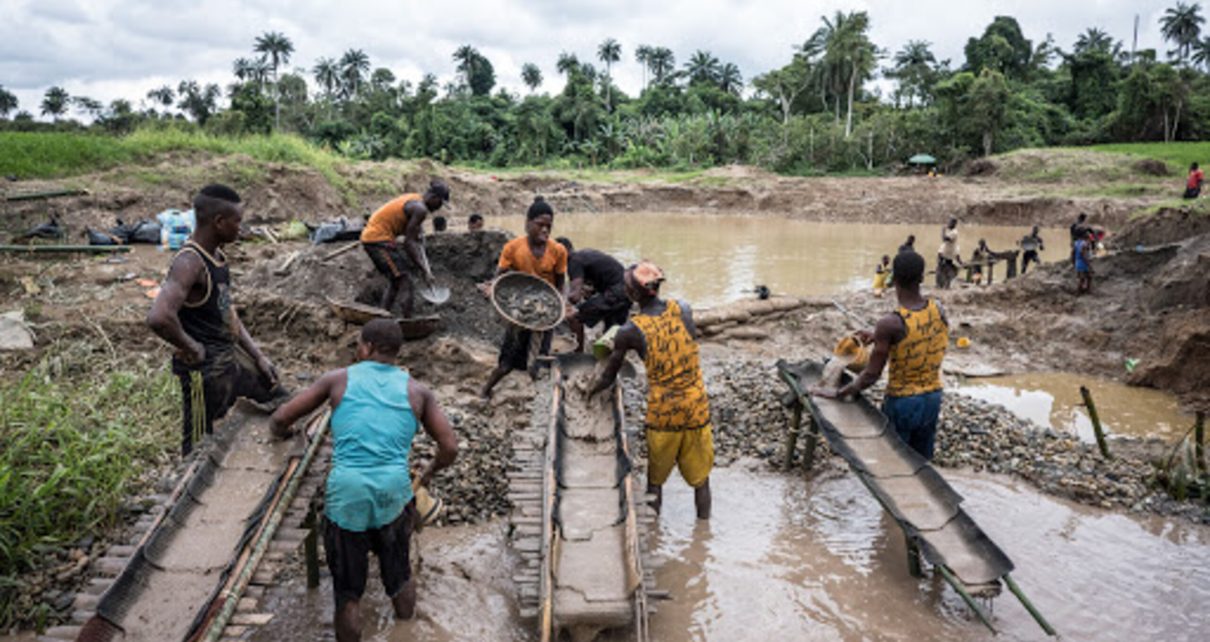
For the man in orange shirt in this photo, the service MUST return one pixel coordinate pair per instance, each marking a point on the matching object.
(403, 216)
(536, 254)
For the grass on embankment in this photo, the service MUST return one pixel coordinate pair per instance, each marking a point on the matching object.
(29, 155)
(78, 432)
(1178, 156)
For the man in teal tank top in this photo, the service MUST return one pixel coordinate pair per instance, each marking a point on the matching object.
(368, 504)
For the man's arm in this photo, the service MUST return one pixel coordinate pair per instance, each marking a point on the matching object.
(887, 331)
(687, 319)
(281, 424)
(629, 338)
(163, 317)
(412, 244)
(437, 425)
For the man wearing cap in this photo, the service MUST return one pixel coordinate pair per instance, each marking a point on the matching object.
(369, 500)
(679, 433)
(403, 216)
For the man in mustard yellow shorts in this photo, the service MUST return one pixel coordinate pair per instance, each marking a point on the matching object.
(679, 433)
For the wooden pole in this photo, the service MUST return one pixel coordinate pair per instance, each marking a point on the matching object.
(808, 455)
(63, 249)
(792, 437)
(335, 253)
(311, 548)
(1199, 442)
(33, 196)
(1096, 423)
(1029, 606)
(966, 597)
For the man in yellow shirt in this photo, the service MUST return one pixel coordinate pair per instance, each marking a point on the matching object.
(913, 339)
(679, 432)
(403, 216)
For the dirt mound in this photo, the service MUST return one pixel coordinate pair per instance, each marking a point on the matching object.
(1152, 167)
(1182, 362)
(980, 167)
(1168, 225)
(460, 262)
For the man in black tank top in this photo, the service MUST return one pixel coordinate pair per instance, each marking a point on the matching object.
(216, 359)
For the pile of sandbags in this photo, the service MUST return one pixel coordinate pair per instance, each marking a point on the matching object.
(734, 319)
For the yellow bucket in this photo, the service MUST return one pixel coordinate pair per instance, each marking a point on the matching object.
(428, 508)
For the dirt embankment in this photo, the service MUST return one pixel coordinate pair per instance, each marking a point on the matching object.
(276, 192)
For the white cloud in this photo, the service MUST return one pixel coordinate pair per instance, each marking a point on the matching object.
(109, 49)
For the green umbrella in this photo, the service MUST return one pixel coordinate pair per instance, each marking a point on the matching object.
(922, 159)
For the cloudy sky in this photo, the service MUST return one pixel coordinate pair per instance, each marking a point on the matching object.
(108, 49)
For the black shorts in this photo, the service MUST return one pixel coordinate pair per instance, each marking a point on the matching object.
(515, 346)
(1028, 257)
(387, 258)
(611, 306)
(222, 382)
(348, 554)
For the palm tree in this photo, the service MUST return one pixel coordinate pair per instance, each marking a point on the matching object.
(702, 68)
(164, 97)
(609, 52)
(1201, 53)
(466, 57)
(913, 63)
(730, 79)
(242, 68)
(531, 76)
(1093, 39)
(848, 54)
(642, 55)
(353, 67)
(54, 102)
(1182, 25)
(663, 62)
(275, 47)
(8, 102)
(327, 75)
(567, 63)
(88, 106)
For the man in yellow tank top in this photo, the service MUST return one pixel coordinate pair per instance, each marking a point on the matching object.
(679, 433)
(913, 339)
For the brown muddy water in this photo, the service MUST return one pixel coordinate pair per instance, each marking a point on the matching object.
(1052, 400)
(788, 559)
(714, 259)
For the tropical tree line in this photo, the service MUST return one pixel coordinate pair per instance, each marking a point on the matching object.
(817, 112)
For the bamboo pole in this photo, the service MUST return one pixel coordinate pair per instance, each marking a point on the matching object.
(1029, 606)
(34, 196)
(808, 455)
(231, 597)
(546, 591)
(1199, 442)
(335, 253)
(792, 437)
(63, 249)
(966, 597)
(1096, 422)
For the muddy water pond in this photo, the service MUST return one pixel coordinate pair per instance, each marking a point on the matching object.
(787, 559)
(1052, 400)
(713, 259)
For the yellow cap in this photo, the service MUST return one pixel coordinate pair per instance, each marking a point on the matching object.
(964, 342)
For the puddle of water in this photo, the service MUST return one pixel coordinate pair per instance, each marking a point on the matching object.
(788, 559)
(713, 259)
(1052, 400)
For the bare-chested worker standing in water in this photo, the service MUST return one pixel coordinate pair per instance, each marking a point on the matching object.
(679, 433)
(403, 216)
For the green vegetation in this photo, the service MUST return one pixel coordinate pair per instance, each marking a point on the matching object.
(78, 431)
(1178, 155)
(814, 114)
(58, 154)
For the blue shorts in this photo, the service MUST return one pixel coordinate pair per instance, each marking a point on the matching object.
(914, 419)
